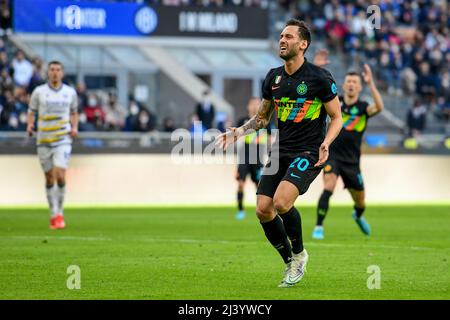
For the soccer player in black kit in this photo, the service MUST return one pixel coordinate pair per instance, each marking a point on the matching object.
(345, 153)
(302, 95)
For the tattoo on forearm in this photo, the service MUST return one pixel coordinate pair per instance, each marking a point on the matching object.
(262, 118)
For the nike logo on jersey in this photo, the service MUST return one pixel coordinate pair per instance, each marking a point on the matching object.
(275, 87)
(295, 176)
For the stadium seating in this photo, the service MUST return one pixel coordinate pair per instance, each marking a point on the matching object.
(409, 54)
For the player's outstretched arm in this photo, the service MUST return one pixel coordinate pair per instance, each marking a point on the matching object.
(378, 104)
(333, 109)
(258, 121)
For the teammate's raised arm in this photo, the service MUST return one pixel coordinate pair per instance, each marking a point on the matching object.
(258, 121)
(378, 104)
(333, 109)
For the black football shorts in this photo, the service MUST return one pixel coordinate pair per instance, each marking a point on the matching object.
(254, 170)
(298, 170)
(350, 173)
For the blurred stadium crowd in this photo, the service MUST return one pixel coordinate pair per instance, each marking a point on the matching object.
(99, 111)
(207, 3)
(410, 54)
(202, 3)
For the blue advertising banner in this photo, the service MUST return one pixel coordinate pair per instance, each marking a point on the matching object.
(74, 17)
(132, 19)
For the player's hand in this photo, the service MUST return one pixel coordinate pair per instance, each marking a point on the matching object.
(367, 74)
(227, 138)
(323, 154)
(74, 132)
(321, 58)
(30, 129)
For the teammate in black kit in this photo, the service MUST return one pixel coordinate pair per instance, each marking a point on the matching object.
(302, 95)
(250, 162)
(345, 153)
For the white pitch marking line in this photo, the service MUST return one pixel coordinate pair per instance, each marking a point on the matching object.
(306, 243)
(145, 239)
(57, 238)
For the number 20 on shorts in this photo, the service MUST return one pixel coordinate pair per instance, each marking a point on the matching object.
(302, 164)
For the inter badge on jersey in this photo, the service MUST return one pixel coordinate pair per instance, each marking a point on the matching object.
(302, 89)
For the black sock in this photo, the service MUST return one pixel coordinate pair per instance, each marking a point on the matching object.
(359, 211)
(322, 207)
(277, 236)
(240, 197)
(293, 226)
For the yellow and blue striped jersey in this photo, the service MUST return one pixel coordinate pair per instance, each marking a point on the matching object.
(53, 107)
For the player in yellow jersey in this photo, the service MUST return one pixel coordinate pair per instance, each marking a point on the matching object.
(55, 104)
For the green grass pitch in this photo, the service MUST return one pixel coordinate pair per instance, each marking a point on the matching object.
(204, 253)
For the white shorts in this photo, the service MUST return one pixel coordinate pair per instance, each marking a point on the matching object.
(54, 156)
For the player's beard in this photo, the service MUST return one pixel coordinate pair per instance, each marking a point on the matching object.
(288, 55)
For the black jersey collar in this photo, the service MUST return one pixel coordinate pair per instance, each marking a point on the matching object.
(297, 73)
(348, 105)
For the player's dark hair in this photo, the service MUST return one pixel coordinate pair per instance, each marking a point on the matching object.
(55, 62)
(303, 30)
(354, 73)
